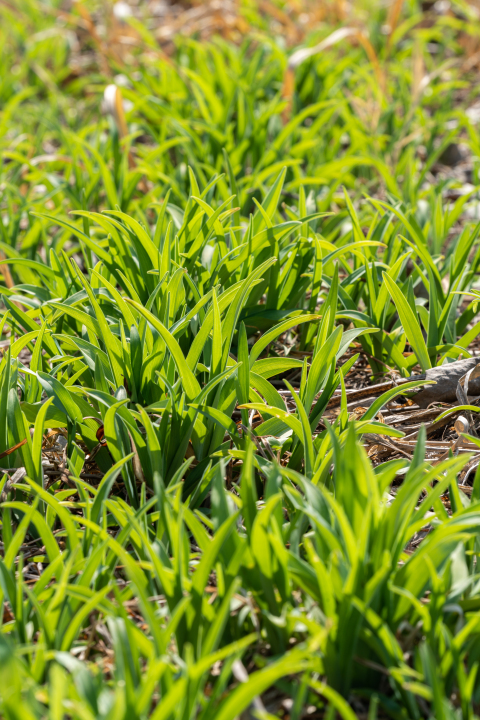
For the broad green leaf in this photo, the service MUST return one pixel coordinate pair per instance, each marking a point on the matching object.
(410, 324)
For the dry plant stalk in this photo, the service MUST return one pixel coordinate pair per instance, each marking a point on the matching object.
(392, 20)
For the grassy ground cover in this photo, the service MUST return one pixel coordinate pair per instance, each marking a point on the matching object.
(210, 241)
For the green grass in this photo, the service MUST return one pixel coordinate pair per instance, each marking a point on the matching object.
(211, 543)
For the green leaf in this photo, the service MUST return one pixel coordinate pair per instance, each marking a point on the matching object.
(410, 324)
(189, 381)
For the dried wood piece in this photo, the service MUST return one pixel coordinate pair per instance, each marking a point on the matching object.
(17, 476)
(439, 444)
(430, 427)
(462, 393)
(461, 425)
(446, 378)
(354, 395)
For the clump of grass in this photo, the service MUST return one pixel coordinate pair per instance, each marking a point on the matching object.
(194, 523)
